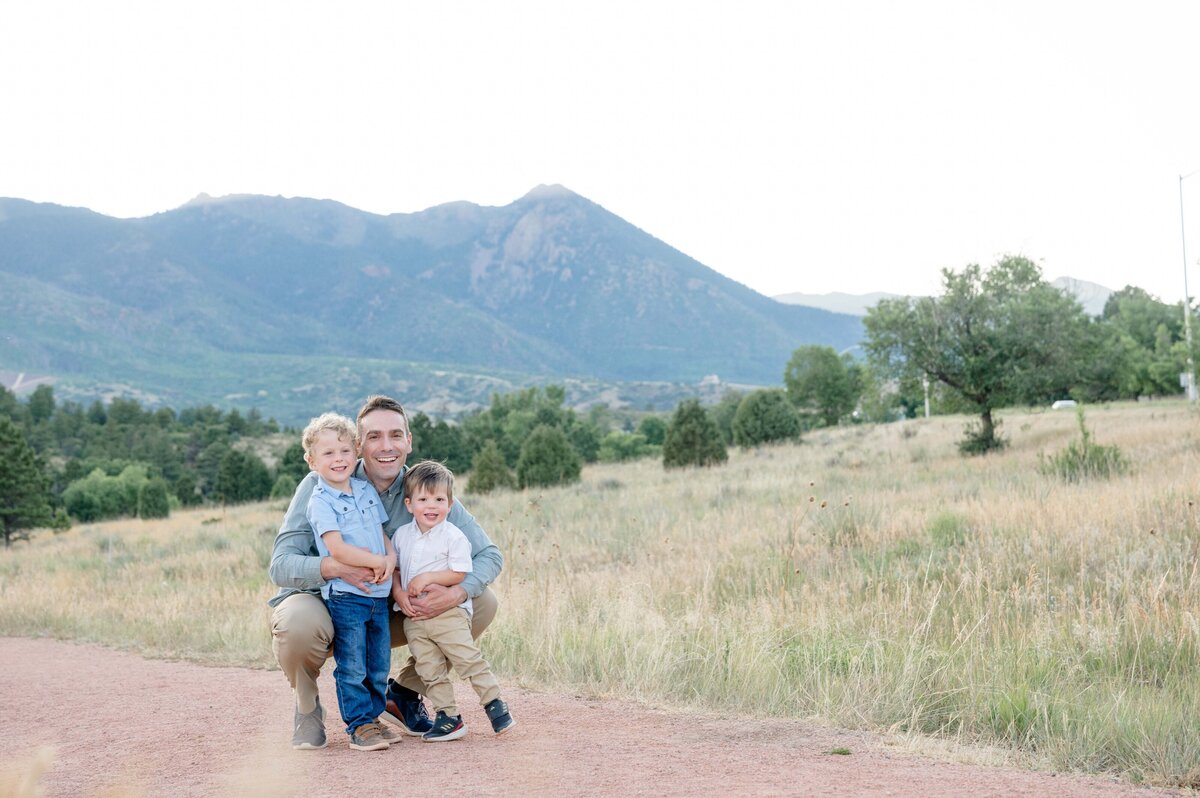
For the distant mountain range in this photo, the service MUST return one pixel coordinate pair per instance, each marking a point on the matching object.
(295, 305)
(1091, 295)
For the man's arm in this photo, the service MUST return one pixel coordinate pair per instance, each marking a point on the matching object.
(486, 559)
(294, 558)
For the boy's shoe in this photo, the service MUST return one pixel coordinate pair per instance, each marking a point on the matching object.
(367, 737)
(497, 712)
(445, 727)
(406, 709)
(309, 729)
(388, 733)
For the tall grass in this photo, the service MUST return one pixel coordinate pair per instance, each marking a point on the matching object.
(870, 577)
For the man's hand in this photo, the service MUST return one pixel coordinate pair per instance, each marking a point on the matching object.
(418, 584)
(436, 600)
(359, 577)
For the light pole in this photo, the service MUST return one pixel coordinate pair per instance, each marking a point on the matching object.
(1187, 299)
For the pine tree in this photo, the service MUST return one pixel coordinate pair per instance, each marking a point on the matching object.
(693, 438)
(547, 458)
(489, 471)
(765, 416)
(24, 488)
(153, 501)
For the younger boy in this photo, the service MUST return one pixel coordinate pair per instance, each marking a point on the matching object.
(347, 518)
(432, 551)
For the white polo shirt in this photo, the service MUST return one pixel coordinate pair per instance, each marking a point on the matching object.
(442, 548)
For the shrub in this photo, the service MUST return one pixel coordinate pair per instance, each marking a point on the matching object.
(547, 459)
(654, 429)
(153, 501)
(618, 447)
(284, 487)
(763, 417)
(489, 470)
(693, 438)
(242, 477)
(1084, 459)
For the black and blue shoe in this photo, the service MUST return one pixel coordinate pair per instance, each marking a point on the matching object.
(406, 710)
(445, 727)
(497, 712)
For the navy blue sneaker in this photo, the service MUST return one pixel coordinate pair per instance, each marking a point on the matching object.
(445, 727)
(406, 710)
(497, 712)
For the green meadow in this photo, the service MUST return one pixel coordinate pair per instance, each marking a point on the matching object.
(868, 577)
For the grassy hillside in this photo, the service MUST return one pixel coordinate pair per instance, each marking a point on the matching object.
(869, 577)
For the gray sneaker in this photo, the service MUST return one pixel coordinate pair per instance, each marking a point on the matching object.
(387, 733)
(368, 737)
(309, 729)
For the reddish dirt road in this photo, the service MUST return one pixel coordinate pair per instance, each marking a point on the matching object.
(121, 725)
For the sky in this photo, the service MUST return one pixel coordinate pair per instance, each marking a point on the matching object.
(792, 146)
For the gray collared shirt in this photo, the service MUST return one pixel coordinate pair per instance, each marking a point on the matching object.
(296, 564)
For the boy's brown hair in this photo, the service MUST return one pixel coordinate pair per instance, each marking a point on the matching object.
(335, 422)
(428, 476)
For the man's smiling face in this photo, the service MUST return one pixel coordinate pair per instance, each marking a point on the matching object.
(384, 445)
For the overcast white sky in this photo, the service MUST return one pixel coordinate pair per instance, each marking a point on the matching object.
(849, 146)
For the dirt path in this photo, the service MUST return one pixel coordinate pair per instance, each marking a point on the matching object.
(121, 725)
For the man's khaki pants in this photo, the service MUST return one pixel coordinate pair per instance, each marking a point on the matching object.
(444, 641)
(302, 639)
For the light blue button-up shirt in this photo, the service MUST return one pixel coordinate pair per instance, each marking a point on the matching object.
(359, 517)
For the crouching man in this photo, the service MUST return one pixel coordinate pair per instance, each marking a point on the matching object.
(302, 633)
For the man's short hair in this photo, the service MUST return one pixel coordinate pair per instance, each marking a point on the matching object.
(335, 422)
(428, 476)
(381, 402)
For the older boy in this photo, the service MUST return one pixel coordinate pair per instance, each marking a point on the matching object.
(347, 519)
(301, 631)
(432, 551)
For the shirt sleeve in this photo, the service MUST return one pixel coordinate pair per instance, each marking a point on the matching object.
(459, 552)
(321, 515)
(295, 562)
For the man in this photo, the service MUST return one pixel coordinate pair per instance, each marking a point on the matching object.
(302, 633)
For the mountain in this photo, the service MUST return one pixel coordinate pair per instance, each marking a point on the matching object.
(1091, 295)
(294, 303)
(837, 302)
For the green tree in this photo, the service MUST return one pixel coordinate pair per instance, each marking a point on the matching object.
(995, 339)
(722, 414)
(292, 463)
(653, 429)
(547, 458)
(284, 487)
(821, 384)
(41, 404)
(153, 499)
(765, 416)
(24, 489)
(242, 477)
(693, 438)
(489, 470)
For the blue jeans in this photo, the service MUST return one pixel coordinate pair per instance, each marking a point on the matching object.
(362, 646)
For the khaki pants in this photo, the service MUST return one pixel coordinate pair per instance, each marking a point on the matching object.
(443, 641)
(302, 639)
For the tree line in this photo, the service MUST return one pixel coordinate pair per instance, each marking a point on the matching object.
(994, 338)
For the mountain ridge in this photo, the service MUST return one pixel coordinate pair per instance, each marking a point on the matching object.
(550, 285)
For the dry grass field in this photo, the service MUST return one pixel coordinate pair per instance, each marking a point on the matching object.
(868, 577)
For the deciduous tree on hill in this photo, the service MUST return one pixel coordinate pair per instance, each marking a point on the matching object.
(996, 338)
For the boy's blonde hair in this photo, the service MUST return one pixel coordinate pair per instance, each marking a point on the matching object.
(335, 422)
(428, 476)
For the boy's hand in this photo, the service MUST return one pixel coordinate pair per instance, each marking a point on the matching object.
(437, 599)
(378, 568)
(401, 598)
(389, 566)
(418, 584)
